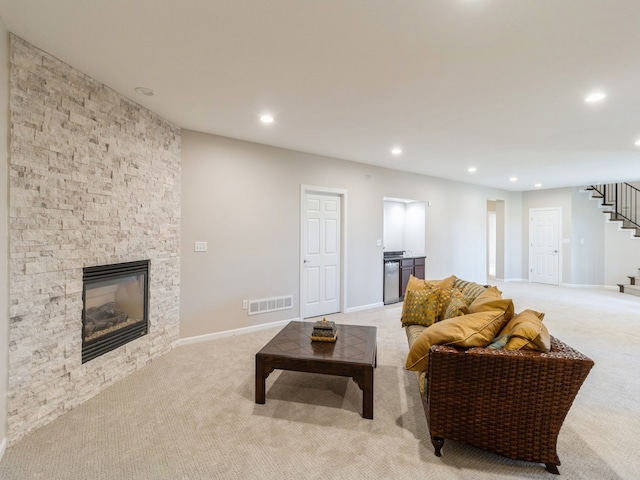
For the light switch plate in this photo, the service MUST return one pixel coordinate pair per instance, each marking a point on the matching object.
(200, 247)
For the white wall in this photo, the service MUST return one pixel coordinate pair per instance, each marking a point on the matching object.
(404, 227)
(394, 220)
(244, 200)
(414, 228)
(4, 218)
(588, 245)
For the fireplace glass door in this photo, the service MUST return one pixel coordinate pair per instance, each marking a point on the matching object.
(115, 299)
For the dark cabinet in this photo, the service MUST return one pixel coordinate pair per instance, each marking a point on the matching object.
(410, 266)
(418, 267)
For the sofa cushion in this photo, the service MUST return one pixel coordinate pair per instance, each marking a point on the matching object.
(473, 330)
(413, 333)
(421, 307)
(526, 331)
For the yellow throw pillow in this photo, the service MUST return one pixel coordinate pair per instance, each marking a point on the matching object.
(526, 331)
(457, 305)
(444, 284)
(419, 284)
(420, 307)
(491, 299)
(473, 330)
(446, 287)
(415, 283)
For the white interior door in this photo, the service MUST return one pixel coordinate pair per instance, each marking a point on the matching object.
(321, 254)
(544, 245)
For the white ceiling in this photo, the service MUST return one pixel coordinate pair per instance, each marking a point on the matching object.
(495, 84)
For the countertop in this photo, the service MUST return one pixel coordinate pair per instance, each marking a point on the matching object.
(402, 257)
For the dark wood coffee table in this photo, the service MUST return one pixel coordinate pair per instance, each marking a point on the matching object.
(352, 355)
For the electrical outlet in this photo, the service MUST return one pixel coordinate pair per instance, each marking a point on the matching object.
(245, 304)
(200, 247)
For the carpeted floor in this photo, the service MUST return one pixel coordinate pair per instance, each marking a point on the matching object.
(191, 414)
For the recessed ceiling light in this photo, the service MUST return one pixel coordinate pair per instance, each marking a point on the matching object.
(396, 150)
(266, 118)
(147, 92)
(514, 179)
(595, 97)
(472, 169)
(637, 143)
(538, 185)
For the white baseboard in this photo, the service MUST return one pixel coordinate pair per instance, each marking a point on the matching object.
(255, 328)
(526, 280)
(585, 285)
(3, 447)
(228, 333)
(364, 307)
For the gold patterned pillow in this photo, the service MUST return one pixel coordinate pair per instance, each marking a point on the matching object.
(420, 307)
(457, 305)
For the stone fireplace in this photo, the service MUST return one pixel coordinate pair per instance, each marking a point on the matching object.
(114, 312)
(94, 181)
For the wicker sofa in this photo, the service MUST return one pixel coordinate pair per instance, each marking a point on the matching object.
(509, 402)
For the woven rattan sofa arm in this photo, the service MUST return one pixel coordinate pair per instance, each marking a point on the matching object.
(559, 350)
(512, 403)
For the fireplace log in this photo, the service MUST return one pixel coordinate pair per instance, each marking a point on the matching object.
(103, 317)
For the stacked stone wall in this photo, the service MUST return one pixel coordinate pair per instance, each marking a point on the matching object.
(94, 180)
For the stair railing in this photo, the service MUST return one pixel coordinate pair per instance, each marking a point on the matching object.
(624, 200)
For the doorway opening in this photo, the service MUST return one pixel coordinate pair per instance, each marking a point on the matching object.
(495, 239)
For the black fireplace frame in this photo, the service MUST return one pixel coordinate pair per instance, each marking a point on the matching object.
(90, 275)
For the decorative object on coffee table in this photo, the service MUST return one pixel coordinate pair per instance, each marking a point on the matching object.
(324, 331)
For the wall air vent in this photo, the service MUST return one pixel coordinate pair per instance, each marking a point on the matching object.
(273, 304)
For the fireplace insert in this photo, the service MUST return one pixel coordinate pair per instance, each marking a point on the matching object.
(115, 303)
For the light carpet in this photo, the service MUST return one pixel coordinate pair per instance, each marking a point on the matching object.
(191, 414)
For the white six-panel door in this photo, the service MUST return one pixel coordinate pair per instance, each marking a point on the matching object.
(321, 254)
(544, 245)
